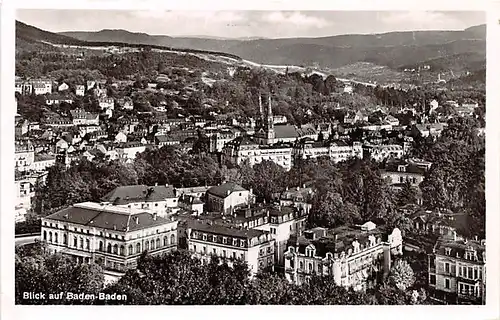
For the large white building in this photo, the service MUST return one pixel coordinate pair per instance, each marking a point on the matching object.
(243, 149)
(335, 150)
(255, 247)
(111, 236)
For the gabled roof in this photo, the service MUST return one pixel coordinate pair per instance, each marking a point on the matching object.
(139, 193)
(225, 189)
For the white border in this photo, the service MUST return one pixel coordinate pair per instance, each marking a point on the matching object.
(9, 311)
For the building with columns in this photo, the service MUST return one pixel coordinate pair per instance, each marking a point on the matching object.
(111, 236)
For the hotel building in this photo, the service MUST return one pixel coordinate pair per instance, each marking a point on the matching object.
(356, 257)
(111, 236)
(457, 271)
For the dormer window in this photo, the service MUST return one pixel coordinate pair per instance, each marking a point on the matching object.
(204, 237)
(401, 168)
(447, 251)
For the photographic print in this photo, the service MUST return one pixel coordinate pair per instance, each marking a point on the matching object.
(250, 157)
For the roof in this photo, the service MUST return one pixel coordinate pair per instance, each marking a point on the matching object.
(337, 240)
(108, 217)
(285, 131)
(139, 193)
(225, 189)
(458, 247)
(225, 231)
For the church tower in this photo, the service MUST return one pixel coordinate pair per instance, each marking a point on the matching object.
(260, 119)
(270, 135)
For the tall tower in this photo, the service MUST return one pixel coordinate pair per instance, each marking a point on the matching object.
(270, 135)
(260, 120)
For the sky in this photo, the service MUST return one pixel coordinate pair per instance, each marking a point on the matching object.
(240, 24)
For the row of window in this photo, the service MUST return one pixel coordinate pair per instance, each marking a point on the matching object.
(467, 289)
(223, 253)
(148, 245)
(84, 244)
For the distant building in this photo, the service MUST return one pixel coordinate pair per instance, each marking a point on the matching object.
(429, 129)
(24, 155)
(412, 171)
(82, 117)
(380, 153)
(106, 103)
(80, 90)
(227, 197)
(335, 150)
(357, 257)
(111, 236)
(457, 271)
(62, 87)
(243, 149)
(297, 197)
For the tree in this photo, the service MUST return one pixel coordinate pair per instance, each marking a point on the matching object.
(267, 180)
(401, 275)
(38, 271)
(407, 195)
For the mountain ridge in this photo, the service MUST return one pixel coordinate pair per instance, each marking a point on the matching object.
(392, 49)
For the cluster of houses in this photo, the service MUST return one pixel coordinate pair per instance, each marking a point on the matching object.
(225, 220)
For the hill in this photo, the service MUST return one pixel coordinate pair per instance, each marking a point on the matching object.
(394, 49)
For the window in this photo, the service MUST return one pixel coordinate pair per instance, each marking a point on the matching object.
(310, 267)
(172, 239)
(234, 255)
(447, 283)
(432, 279)
(204, 249)
(87, 244)
(147, 245)
(50, 236)
(65, 239)
(476, 273)
(301, 265)
(81, 243)
(165, 241)
(138, 248)
(75, 241)
(447, 267)
(115, 249)
(268, 249)
(130, 249)
(45, 234)
(122, 250)
(157, 243)
(55, 238)
(224, 253)
(292, 263)
(109, 248)
(470, 273)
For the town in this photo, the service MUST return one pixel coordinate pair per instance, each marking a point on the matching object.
(126, 158)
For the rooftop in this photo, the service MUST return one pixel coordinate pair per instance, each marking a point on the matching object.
(108, 217)
(225, 189)
(139, 193)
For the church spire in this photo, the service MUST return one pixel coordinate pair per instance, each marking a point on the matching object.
(270, 110)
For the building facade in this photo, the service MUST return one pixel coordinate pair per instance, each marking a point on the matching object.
(255, 247)
(457, 271)
(356, 257)
(111, 236)
(226, 197)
